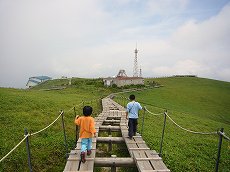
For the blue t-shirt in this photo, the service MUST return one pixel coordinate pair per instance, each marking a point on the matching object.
(133, 108)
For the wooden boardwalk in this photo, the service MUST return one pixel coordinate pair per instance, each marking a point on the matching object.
(111, 119)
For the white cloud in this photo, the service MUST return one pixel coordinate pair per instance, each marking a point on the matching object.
(166, 7)
(185, 67)
(97, 38)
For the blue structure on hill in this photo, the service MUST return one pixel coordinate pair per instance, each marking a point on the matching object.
(35, 80)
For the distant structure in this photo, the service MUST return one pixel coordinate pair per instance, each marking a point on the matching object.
(140, 74)
(121, 73)
(122, 79)
(35, 80)
(184, 75)
(135, 67)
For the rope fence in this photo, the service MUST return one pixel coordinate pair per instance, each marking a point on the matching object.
(165, 114)
(32, 134)
(45, 128)
(14, 148)
(155, 114)
(194, 132)
(220, 133)
(223, 134)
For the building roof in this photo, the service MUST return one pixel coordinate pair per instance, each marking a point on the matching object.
(32, 80)
(40, 77)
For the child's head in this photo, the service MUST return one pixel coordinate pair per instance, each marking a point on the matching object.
(132, 97)
(87, 110)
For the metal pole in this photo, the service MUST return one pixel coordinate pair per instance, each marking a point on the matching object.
(28, 150)
(163, 131)
(219, 149)
(143, 120)
(76, 130)
(63, 127)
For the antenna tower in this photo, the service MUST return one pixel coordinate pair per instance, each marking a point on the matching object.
(140, 75)
(135, 67)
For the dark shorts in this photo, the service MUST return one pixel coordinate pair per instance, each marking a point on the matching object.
(132, 126)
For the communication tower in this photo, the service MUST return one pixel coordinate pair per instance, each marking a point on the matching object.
(135, 67)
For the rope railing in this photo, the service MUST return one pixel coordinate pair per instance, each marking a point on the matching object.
(14, 148)
(223, 134)
(156, 114)
(220, 133)
(194, 132)
(26, 136)
(32, 134)
(74, 106)
(35, 133)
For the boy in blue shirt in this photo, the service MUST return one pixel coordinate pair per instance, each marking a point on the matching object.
(132, 110)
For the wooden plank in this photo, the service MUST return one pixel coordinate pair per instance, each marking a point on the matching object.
(117, 162)
(72, 166)
(156, 171)
(158, 165)
(78, 159)
(76, 171)
(139, 148)
(145, 159)
(142, 165)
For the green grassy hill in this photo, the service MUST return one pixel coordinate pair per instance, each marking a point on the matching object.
(194, 103)
(36, 108)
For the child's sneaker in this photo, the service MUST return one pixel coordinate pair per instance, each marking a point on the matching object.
(83, 157)
(89, 152)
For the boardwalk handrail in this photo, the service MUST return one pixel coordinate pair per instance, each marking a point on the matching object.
(28, 135)
(14, 148)
(220, 133)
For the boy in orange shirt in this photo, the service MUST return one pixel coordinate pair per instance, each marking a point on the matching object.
(87, 131)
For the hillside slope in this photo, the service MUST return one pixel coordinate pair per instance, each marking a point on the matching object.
(196, 104)
(36, 108)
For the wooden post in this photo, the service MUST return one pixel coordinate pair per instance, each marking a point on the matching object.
(109, 132)
(113, 167)
(143, 120)
(110, 144)
(163, 131)
(76, 130)
(28, 150)
(63, 127)
(219, 149)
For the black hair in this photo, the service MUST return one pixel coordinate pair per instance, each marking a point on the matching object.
(87, 110)
(132, 97)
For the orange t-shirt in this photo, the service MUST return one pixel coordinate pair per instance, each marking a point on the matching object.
(87, 126)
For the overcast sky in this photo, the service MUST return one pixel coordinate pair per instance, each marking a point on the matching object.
(96, 38)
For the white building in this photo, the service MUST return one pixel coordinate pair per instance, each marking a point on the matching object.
(122, 79)
(35, 80)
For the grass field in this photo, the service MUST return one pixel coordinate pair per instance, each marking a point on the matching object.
(34, 109)
(194, 103)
